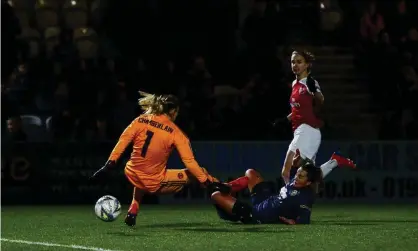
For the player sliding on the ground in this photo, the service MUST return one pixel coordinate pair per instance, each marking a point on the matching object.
(154, 135)
(292, 205)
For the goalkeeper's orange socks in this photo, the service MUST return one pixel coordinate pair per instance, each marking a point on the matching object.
(239, 184)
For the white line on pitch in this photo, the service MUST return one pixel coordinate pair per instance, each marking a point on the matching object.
(55, 245)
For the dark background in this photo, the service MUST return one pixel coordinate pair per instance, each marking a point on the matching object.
(71, 70)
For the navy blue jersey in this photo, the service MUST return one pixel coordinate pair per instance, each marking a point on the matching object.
(296, 203)
(267, 206)
(291, 202)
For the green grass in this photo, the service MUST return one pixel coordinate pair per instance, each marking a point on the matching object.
(197, 228)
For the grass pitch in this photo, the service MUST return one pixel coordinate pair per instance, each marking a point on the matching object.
(197, 228)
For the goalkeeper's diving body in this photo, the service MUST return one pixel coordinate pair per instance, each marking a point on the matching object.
(292, 205)
(154, 135)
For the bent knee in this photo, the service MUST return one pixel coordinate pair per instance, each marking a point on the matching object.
(215, 195)
(252, 174)
(254, 178)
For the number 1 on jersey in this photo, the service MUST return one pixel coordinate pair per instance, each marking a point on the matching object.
(146, 144)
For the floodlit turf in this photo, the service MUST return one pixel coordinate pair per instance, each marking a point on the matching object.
(197, 228)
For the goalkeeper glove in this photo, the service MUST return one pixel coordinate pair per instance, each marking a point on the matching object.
(311, 83)
(217, 186)
(280, 121)
(109, 164)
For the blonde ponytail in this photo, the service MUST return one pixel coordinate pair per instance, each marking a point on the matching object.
(151, 103)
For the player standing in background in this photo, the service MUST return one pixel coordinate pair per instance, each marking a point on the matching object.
(305, 100)
(154, 135)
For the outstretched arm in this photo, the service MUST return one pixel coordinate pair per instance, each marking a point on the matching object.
(182, 144)
(124, 140)
(292, 163)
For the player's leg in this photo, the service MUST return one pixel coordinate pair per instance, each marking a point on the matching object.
(305, 138)
(254, 178)
(336, 160)
(138, 194)
(259, 190)
(229, 208)
(249, 180)
(130, 218)
(308, 142)
(225, 203)
(327, 167)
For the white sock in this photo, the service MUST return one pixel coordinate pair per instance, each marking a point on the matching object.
(328, 166)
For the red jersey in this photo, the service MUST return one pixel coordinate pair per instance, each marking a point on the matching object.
(301, 103)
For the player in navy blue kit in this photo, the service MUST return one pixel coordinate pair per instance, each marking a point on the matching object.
(292, 205)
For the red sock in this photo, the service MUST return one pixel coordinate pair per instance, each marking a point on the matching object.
(239, 184)
(133, 209)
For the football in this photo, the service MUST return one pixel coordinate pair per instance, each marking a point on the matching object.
(107, 208)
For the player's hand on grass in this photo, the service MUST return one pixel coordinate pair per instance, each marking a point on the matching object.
(287, 221)
(109, 164)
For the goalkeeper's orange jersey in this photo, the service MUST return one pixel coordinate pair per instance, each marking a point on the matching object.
(154, 138)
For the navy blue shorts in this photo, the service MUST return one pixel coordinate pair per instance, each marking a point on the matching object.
(264, 202)
(226, 216)
(261, 192)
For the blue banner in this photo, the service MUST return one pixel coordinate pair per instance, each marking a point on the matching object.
(58, 173)
(386, 171)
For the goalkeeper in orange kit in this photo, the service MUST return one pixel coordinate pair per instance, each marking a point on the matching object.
(154, 135)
